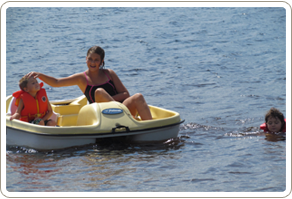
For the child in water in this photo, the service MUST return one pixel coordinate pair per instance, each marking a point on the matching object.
(100, 85)
(274, 122)
(32, 103)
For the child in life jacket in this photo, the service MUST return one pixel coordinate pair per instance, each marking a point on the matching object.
(32, 103)
(274, 122)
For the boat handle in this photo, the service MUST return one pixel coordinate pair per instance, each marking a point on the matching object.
(119, 127)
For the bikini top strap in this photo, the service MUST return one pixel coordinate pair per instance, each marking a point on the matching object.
(104, 73)
(107, 76)
(86, 78)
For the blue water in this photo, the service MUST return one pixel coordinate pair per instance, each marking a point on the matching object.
(222, 69)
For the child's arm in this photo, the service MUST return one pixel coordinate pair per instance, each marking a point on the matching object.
(17, 114)
(48, 114)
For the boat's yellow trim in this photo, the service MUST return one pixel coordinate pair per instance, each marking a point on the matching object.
(78, 117)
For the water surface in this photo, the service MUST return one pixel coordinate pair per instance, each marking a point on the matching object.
(222, 69)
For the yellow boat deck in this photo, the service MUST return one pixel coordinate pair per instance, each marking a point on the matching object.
(69, 111)
(75, 116)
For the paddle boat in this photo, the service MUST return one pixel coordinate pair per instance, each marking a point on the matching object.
(80, 123)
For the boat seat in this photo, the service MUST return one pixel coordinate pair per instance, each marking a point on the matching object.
(12, 109)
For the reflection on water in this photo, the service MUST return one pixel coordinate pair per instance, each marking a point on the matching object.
(30, 170)
(115, 165)
(101, 165)
(275, 138)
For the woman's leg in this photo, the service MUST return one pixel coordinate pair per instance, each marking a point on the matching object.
(102, 96)
(50, 123)
(137, 103)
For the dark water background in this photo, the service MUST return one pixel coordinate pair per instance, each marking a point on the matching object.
(222, 69)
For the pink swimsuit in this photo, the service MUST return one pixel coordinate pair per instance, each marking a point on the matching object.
(108, 86)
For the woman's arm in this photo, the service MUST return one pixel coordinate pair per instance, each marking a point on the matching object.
(76, 79)
(123, 93)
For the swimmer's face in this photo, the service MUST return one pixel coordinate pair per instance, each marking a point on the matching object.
(274, 125)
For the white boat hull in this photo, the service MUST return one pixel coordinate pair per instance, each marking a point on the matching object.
(16, 137)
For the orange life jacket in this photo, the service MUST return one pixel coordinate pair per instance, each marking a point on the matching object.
(33, 107)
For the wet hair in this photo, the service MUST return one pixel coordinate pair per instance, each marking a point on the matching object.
(98, 50)
(23, 82)
(275, 113)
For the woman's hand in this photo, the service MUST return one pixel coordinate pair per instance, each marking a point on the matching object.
(33, 74)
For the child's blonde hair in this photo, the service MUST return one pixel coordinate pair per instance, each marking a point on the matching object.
(23, 82)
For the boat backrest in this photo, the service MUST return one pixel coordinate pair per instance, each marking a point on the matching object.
(12, 109)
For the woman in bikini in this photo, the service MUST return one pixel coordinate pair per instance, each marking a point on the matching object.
(100, 85)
